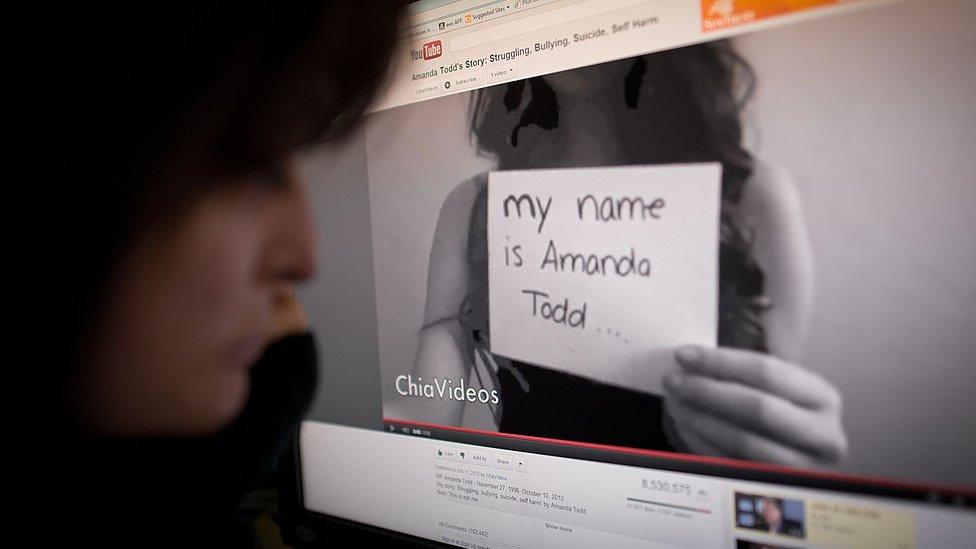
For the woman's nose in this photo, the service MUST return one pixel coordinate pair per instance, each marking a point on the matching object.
(291, 248)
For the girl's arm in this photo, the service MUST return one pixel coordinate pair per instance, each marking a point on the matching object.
(756, 406)
(770, 207)
(442, 346)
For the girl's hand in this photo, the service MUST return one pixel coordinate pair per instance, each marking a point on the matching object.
(753, 406)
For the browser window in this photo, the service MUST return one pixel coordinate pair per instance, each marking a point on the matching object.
(654, 271)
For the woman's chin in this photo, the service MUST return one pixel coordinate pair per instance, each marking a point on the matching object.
(224, 403)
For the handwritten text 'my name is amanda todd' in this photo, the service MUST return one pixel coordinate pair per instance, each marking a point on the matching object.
(589, 208)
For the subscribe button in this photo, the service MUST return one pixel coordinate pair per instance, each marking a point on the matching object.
(465, 82)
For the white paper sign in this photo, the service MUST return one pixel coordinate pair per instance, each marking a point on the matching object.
(602, 272)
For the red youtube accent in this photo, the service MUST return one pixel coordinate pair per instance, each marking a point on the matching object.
(432, 49)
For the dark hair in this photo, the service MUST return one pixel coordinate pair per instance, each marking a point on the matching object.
(690, 101)
(159, 101)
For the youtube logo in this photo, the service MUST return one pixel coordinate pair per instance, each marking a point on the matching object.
(432, 49)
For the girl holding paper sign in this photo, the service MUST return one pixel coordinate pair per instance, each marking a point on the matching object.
(746, 398)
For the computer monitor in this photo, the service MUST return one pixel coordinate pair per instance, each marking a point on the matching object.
(669, 273)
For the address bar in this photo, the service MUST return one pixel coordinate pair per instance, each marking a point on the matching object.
(534, 23)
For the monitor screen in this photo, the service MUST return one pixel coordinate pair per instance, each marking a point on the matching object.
(635, 273)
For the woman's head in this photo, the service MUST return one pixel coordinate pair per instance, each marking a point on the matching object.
(586, 81)
(181, 133)
(686, 103)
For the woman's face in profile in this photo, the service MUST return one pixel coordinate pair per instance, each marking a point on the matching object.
(190, 310)
(771, 512)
